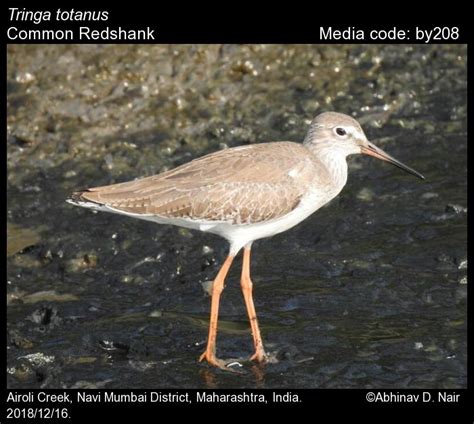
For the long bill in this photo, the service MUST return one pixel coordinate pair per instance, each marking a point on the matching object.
(372, 150)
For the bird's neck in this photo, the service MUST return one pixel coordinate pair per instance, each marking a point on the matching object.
(335, 162)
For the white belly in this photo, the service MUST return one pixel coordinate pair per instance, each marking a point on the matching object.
(238, 235)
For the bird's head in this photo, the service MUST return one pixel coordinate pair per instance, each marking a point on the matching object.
(343, 134)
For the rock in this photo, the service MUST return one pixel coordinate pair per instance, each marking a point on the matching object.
(457, 209)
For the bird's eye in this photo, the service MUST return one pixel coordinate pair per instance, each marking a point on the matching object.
(340, 131)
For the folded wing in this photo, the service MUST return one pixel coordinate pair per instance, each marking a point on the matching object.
(241, 185)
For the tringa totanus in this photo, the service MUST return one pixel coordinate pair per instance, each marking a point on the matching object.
(244, 194)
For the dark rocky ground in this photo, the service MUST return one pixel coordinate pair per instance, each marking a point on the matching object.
(368, 292)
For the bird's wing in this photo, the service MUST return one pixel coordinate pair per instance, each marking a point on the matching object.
(241, 185)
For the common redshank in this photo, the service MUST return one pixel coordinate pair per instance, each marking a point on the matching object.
(244, 194)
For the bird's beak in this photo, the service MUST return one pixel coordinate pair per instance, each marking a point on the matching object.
(369, 149)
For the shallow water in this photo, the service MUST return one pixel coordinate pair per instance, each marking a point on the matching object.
(368, 292)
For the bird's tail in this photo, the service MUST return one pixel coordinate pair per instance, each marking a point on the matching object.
(78, 199)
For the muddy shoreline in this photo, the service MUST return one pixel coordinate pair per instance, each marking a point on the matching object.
(368, 292)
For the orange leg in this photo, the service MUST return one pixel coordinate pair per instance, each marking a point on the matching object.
(217, 286)
(246, 284)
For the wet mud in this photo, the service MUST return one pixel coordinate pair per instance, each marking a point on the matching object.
(368, 292)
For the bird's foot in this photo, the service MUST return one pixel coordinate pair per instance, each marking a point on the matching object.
(211, 359)
(259, 356)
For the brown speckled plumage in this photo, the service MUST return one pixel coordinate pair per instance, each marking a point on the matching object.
(242, 185)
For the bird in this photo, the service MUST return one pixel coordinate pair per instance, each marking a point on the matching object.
(243, 194)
